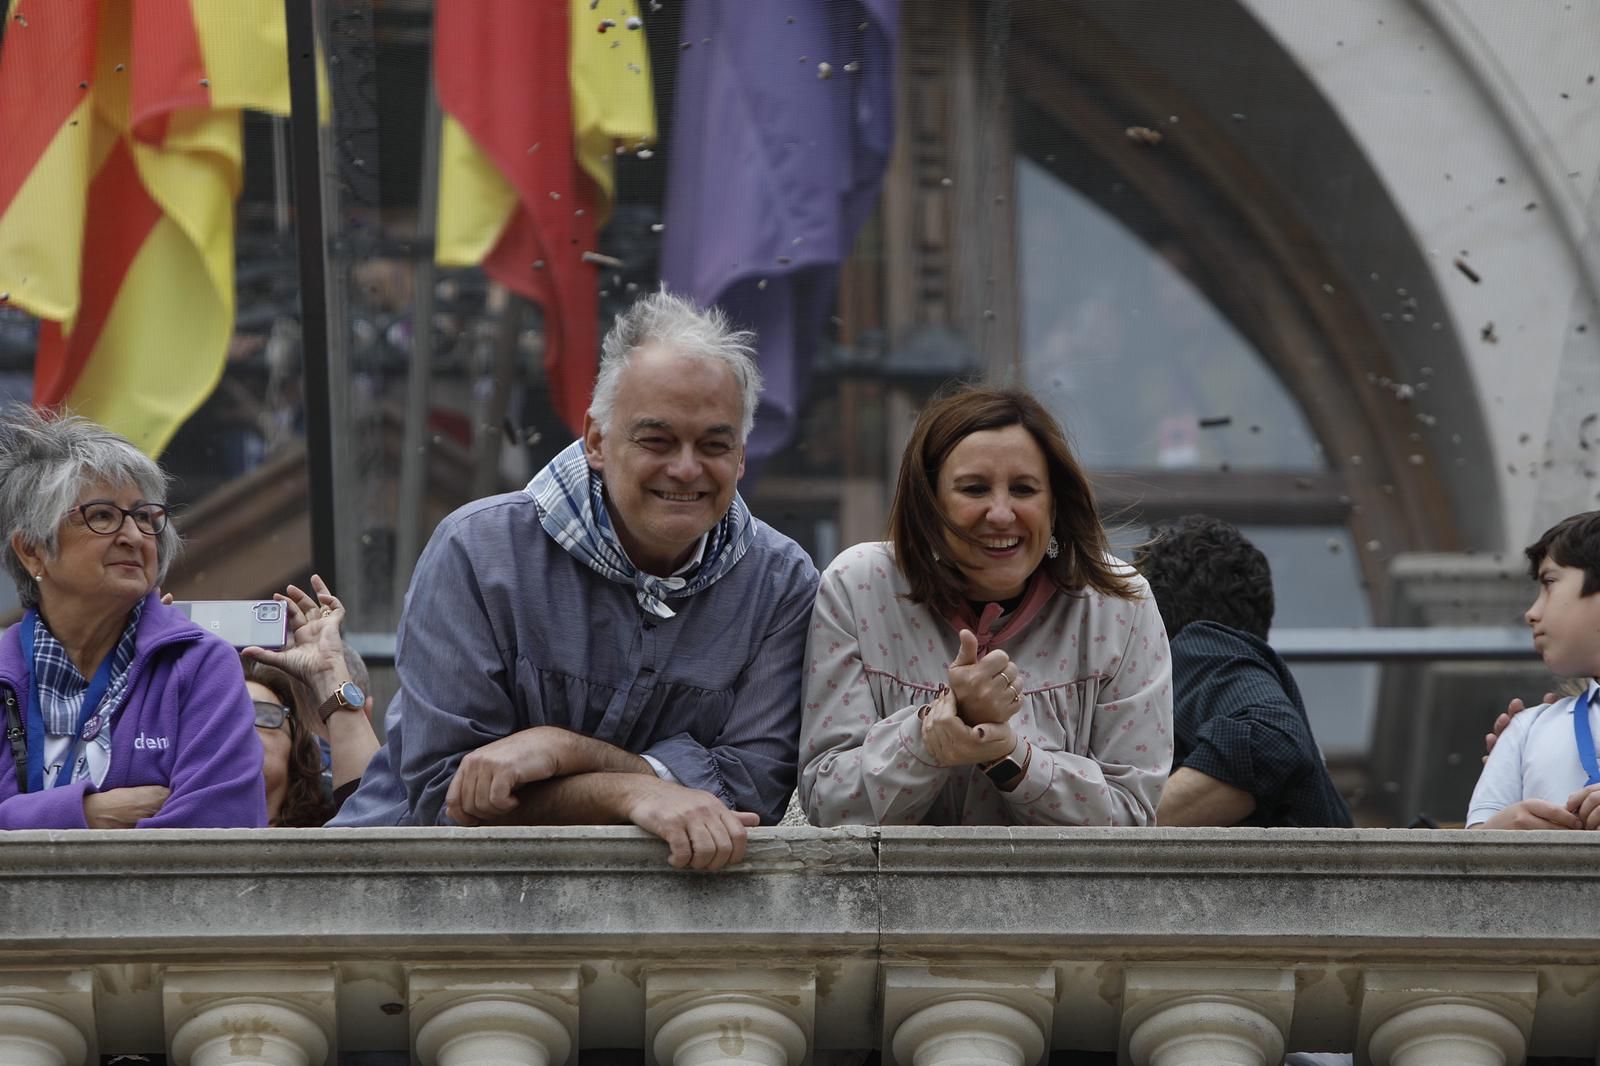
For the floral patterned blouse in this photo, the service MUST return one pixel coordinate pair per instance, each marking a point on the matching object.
(1096, 683)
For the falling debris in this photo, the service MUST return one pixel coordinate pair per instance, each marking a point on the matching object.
(1471, 275)
(1143, 135)
(1488, 334)
(603, 260)
(657, 227)
(852, 67)
(824, 71)
(606, 24)
(1216, 421)
(635, 22)
(1583, 429)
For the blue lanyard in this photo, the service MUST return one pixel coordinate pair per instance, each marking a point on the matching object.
(1580, 726)
(91, 704)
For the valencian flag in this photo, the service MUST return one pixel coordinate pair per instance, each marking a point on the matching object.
(122, 158)
(782, 126)
(537, 97)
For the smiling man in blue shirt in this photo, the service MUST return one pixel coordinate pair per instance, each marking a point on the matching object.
(620, 641)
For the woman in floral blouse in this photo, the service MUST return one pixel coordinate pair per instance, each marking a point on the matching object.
(991, 664)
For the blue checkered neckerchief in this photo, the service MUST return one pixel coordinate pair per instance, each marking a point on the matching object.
(62, 688)
(572, 509)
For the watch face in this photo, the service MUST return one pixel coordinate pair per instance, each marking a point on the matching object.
(351, 694)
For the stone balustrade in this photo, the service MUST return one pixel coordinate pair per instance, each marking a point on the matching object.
(1168, 947)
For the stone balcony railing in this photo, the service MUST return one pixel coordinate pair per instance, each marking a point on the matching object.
(1169, 947)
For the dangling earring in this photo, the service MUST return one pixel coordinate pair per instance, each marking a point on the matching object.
(1052, 549)
(936, 558)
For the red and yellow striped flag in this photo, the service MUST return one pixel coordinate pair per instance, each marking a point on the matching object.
(536, 97)
(123, 159)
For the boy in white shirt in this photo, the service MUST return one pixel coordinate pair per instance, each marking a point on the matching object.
(1543, 772)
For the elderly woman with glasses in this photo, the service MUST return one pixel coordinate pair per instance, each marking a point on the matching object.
(119, 712)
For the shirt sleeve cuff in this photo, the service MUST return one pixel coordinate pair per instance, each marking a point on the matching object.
(1036, 781)
(661, 769)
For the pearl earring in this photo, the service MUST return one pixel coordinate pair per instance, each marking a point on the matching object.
(1052, 549)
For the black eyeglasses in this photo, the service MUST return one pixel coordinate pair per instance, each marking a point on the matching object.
(105, 518)
(272, 715)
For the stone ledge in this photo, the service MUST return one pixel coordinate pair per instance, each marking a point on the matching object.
(340, 893)
(1078, 909)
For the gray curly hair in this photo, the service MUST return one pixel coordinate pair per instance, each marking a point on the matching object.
(676, 323)
(46, 462)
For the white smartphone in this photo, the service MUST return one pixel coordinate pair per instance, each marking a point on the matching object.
(242, 623)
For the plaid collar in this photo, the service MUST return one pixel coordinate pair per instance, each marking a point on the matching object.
(571, 499)
(62, 688)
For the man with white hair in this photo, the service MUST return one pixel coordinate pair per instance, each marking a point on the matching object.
(620, 641)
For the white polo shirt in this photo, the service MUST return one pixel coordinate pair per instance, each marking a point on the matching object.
(1535, 758)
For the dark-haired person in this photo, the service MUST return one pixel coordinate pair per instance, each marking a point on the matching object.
(1543, 772)
(326, 685)
(1245, 754)
(120, 712)
(292, 764)
(992, 664)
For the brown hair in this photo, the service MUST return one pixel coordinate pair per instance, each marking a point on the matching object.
(304, 803)
(917, 524)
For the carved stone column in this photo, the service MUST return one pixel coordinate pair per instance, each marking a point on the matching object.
(249, 1017)
(1445, 1019)
(484, 1017)
(1190, 1016)
(976, 1017)
(46, 1018)
(729, 1018)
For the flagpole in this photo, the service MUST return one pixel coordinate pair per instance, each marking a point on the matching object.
(414, 429)
(311, 249)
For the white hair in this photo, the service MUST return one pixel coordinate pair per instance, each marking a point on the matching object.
(46, 462)
(676, 323)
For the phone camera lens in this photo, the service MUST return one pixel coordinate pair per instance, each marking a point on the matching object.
(269, 612)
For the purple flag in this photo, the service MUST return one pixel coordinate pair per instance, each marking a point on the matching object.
(781, 129)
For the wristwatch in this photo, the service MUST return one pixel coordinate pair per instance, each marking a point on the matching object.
(1003, 770)
(347, 697)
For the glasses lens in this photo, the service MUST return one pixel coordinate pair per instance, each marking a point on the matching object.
(270, 715)
(102, 517)
(151, 520)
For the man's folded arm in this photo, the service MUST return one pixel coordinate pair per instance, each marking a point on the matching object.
(750, 765)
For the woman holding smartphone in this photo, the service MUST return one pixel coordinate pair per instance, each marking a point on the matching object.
(323, 683)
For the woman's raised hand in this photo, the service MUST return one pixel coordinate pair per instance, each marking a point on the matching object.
(953, 742)
(985, 689)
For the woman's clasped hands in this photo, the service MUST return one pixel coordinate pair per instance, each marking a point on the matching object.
(969, 721)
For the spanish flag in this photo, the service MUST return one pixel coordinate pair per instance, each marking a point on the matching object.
(537, 99)
(122, 161)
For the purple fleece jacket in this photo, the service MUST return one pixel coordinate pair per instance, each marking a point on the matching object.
(187, 723)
